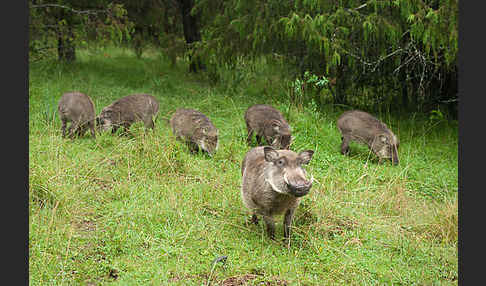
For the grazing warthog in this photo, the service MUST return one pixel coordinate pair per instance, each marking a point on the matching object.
(128, 110)
(77, 108)
(273, 183)
(359, 126)
(195, 128)
(269, 123)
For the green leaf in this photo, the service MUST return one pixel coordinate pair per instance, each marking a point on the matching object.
(336, 58)
(410, 18)
(430, 14)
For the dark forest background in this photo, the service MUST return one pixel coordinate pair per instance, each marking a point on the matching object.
(398, 55)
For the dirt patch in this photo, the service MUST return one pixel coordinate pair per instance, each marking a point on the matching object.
(85, 226)
(85, 221)
(252, 279)
(183, 277)
(103, 184)
(238, 280)
(338, 225)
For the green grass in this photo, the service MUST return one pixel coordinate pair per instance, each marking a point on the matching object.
(144, 211)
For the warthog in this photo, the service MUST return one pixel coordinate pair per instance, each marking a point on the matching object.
(195, 128)
(128, 110)
(269, 123)
(361, 127)
(77, 108)
(273, 183)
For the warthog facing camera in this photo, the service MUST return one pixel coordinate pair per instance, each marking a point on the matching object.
(273, 183)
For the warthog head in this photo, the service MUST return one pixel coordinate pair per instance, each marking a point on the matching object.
(285, 173)
(105, 121)
(385, 146)
(281, 135)
(207, 139)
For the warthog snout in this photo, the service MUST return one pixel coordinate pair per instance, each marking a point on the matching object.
(298, 187)
(300, 190)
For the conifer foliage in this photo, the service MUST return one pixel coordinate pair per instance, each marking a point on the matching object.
(371, 48)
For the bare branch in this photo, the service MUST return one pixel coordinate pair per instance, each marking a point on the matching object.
(450, 100)
(404, 64)
(357, 8)
(69, 8)
(376, 63)
(361, 6)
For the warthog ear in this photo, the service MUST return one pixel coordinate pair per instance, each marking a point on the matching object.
(270, 154)
(305, 156)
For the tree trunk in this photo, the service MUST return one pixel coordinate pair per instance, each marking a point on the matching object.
(138, 36)
(416, 92)
(191, 33)
(449, 95)
(66, 50)
(340, 91)
(404, 88)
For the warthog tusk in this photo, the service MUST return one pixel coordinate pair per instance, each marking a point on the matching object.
(274, 187)
(285, 179)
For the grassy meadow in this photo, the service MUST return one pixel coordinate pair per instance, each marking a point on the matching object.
(143, 210)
